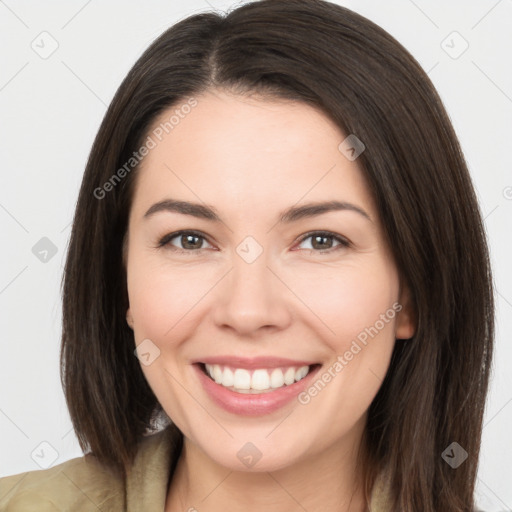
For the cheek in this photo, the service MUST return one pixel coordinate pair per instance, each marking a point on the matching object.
(359, 307)
(163, 300)
(350, 300)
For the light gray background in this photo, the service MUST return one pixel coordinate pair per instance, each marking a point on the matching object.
(51, 108)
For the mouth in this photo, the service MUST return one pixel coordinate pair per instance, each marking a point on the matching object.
(254, 386)
(256, 381)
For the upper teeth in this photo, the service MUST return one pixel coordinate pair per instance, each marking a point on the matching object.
(262, 379)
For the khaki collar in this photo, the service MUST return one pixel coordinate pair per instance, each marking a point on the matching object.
(381, 499)
(147, 481)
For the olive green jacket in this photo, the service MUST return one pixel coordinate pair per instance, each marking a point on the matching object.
(82, 484)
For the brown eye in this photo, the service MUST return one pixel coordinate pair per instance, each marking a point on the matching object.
(324, 241)
(189, 241)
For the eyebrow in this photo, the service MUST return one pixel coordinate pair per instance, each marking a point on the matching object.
(289, 215)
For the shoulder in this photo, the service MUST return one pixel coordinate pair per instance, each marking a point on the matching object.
(81, 484)
(84, 484)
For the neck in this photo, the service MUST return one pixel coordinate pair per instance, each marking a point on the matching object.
(329, 480)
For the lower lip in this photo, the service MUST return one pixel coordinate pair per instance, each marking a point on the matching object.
(248, 404)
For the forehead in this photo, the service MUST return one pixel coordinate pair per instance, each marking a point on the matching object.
(250, 152)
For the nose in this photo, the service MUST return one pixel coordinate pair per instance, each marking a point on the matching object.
(252, 298)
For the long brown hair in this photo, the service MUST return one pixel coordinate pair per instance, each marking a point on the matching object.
(327, 56)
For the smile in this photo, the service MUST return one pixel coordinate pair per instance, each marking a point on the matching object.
(260, 380)
(253, 387)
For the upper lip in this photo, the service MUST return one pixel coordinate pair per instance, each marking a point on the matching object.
(253, 362)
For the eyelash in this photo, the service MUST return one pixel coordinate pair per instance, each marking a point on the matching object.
(164, 241)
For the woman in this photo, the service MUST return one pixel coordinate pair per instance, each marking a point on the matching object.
(276, 248)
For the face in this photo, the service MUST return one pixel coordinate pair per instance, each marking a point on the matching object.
(256, 290)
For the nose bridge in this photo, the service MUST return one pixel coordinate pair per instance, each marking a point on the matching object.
(252, 296)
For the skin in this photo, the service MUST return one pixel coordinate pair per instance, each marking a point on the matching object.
(251, 158)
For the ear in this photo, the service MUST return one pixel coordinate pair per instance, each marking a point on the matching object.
(405, 324)
(129, 318)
